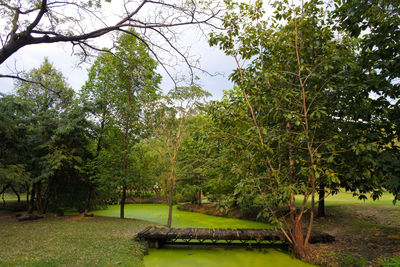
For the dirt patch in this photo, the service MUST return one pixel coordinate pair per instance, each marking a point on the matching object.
(364, 234)
(208, 208)
(211, 209)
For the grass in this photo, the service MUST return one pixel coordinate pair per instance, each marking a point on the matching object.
(70, 241)
(347, 198)
(10, 197)
(365, 234)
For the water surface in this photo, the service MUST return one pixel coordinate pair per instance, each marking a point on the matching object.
(198, 257)
(158, 213)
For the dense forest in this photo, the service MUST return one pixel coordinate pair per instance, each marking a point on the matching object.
(314, 108)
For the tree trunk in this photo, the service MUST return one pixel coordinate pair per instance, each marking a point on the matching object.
(298, 246)
(40, 201)
(198, 197)
(170, 202)
(32, 200)
(2, 194)
(123, 198)
(27, 197)
(87, 200)
(321, 201)
(4, 189)
(98, 149)
(16, 193)
(125, 149)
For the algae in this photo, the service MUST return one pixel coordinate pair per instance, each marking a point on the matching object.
(218, 257)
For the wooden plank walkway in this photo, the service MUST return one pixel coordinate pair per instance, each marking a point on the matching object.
(155, 237)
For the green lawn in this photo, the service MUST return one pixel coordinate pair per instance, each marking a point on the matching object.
(70, 241)
(346, 198)
(11, 197)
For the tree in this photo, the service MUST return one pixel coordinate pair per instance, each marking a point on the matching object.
(181, 103)
(29, 23)
(122, 85)
(45, 104)
(195, 161)
(279, 112)
(376, 24)
(13, 129)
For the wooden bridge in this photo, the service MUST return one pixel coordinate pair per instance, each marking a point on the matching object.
(156, 237)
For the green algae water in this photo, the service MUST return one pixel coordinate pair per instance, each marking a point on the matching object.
(158, 213)
(220, 257)
(198, 257)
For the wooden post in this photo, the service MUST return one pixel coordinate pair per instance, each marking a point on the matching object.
(146, 248)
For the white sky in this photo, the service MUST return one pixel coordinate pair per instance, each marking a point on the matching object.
(211, 59)
(60, 55)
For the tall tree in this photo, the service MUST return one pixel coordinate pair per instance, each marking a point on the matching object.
(13, 132)
(376, 24)
(123, 84)
(282, 106)
(181, 103)
(46, 103)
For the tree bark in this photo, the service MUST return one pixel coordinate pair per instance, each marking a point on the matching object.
(2, 194)
(170, 203)
(91, 183)
(123, 198)
(4, 189)
(298, 246)
(27, 197)
(40, 201)
(198, 197)
(87, 200)
(321, 201)
(32, 200)
(125, 147)
(16, 193)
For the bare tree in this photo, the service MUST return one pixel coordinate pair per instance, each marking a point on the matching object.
(155, 22)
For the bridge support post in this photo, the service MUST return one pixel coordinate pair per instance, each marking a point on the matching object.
(154, 244)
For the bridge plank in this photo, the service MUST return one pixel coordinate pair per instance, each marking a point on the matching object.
(172, 234)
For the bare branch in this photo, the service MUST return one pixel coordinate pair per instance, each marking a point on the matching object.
(43, 9)
(16, 77)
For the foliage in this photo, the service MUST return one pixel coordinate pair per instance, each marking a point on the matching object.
(46, 139)
(121, 89)
(299, 112)
(171, 115)
(12, 147)
(395, 261)
(375, 23)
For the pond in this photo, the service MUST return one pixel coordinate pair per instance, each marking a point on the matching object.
(209, 257)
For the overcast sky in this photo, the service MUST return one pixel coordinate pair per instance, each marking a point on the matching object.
(211, 59)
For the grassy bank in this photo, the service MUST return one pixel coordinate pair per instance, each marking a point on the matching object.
(70, 241)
